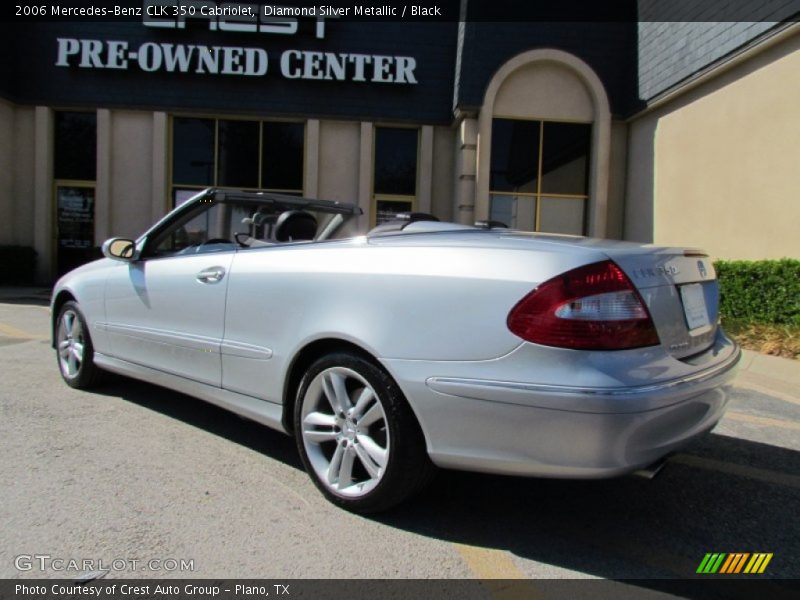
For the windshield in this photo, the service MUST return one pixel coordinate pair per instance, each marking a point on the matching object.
(210, 224)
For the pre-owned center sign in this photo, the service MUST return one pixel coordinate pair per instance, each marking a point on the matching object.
(234, 60)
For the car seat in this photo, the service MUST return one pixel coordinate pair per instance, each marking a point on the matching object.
(295, 225)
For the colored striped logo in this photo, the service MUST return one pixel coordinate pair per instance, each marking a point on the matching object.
(734, 563)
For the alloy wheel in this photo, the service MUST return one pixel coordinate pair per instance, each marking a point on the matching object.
(345, 432)
(70, 344)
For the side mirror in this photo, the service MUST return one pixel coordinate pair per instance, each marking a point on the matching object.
(119, 249)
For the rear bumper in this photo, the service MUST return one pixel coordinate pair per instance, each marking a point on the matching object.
(567, 431)
(620, 399)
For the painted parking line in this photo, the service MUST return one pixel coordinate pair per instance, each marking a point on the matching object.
(711, 464)
(768, 421)
(11, 331)
(489, 563)
(501, 577)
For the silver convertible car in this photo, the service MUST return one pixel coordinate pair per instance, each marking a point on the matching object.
(419, 344)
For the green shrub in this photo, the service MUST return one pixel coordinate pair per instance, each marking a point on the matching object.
(17, 265)
(764, 291)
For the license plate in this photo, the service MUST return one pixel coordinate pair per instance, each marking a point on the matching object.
(694, 306)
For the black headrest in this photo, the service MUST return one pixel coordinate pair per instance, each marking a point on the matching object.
(294, 225)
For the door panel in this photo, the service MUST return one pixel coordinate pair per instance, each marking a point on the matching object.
(169, 313)
(260, 312)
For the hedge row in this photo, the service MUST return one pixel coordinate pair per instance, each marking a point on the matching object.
(764, 291)
(17, 265)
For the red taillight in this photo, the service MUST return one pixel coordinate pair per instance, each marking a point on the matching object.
(594, 307)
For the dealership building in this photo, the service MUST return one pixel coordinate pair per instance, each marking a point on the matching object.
(679, 133)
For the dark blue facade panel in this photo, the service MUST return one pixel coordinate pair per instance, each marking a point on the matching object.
(126, 64)
(407, 74)
(608, 48)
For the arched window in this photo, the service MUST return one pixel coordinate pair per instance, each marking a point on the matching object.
(543, 146)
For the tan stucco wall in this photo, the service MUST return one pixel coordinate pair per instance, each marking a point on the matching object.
(551, 89)
(465, 166)
(131, 172)
(638, 215)
(22, 167)
(6, 173)
(444, 139)
(16, 174)
(42, 196)
(339, 143)
(726, 161)
(616, 179)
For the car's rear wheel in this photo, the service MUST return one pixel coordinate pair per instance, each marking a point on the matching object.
(357, 436)
(74, 349)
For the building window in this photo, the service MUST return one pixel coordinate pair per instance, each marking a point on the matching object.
(75, 172)
(282, 156)
(539, 175)
(236, 153)
(75, 146)
(193, 151)
(395, 176)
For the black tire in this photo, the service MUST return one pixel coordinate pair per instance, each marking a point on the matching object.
(86, 373)
(408, 468)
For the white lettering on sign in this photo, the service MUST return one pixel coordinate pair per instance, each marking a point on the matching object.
(234, 60)
(297, 64)
(234, 16)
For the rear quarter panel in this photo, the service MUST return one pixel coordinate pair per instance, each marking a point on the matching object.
(396, 302)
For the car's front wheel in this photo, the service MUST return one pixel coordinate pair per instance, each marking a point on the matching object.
(357, 436)
(74, 349)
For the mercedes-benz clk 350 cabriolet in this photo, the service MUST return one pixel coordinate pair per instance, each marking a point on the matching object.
(419, 344)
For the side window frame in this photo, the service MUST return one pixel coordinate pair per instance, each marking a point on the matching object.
(155, 237)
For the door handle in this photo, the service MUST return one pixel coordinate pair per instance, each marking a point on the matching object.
(211, 275)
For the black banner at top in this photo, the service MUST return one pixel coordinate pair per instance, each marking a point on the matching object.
(244, 13)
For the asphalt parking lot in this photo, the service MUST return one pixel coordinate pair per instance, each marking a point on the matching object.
(136, 472)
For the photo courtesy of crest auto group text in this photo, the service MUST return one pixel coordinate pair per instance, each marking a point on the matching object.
(436, 299)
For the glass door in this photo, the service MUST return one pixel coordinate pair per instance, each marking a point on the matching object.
(74, 226)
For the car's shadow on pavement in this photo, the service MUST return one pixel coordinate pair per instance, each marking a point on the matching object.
(721, 494)
(204, 416)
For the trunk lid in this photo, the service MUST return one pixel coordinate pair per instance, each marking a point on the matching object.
(679, 287)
